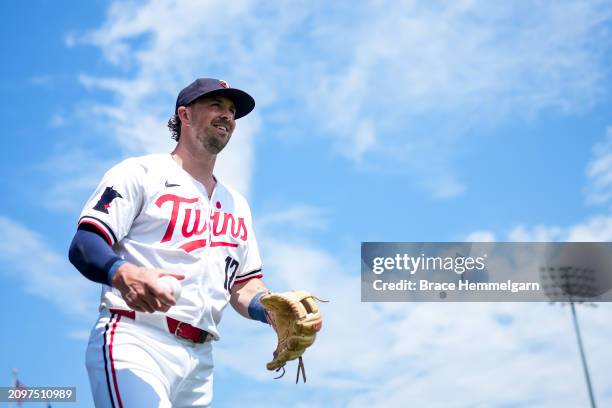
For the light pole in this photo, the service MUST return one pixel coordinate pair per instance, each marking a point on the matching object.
(571, 284)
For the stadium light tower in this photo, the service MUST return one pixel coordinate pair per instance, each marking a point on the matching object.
(568, 284)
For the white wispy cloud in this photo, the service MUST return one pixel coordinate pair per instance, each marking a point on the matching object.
(425, 75)
(299, 216)
(599, 172)
(480, 236)
(597, 228)
(379, 80)
(44, 273)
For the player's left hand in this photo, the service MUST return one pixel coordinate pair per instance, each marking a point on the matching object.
(296, 320)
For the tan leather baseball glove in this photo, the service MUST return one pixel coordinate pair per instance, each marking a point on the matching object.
(296, 320)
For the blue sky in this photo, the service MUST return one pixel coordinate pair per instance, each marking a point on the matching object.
(381, 121)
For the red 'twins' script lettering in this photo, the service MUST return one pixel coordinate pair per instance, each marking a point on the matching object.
(228, 224)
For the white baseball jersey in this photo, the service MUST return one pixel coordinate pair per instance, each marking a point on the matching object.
(156, 215)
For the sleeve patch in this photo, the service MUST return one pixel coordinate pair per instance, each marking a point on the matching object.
(107, 198)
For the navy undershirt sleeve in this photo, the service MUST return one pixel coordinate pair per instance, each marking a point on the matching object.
(93, 257)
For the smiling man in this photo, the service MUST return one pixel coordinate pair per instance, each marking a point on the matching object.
(168, 215)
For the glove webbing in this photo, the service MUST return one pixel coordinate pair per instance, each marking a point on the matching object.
(299, 368)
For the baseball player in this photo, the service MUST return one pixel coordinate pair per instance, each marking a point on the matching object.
(168, 215)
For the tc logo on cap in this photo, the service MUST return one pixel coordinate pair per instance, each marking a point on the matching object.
(223, 83)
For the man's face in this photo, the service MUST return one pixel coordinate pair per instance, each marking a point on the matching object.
(212, 122)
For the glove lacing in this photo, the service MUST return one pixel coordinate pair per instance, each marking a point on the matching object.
(299, 368)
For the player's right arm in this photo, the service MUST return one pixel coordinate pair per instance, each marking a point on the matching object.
(106, 218)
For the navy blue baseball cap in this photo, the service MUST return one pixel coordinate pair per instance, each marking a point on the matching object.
(201, 87)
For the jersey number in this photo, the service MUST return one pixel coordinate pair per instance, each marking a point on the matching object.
(231, 267)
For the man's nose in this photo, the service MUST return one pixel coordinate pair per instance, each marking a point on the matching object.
(227, 114)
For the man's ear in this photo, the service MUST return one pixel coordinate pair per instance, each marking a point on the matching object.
(183, 113)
